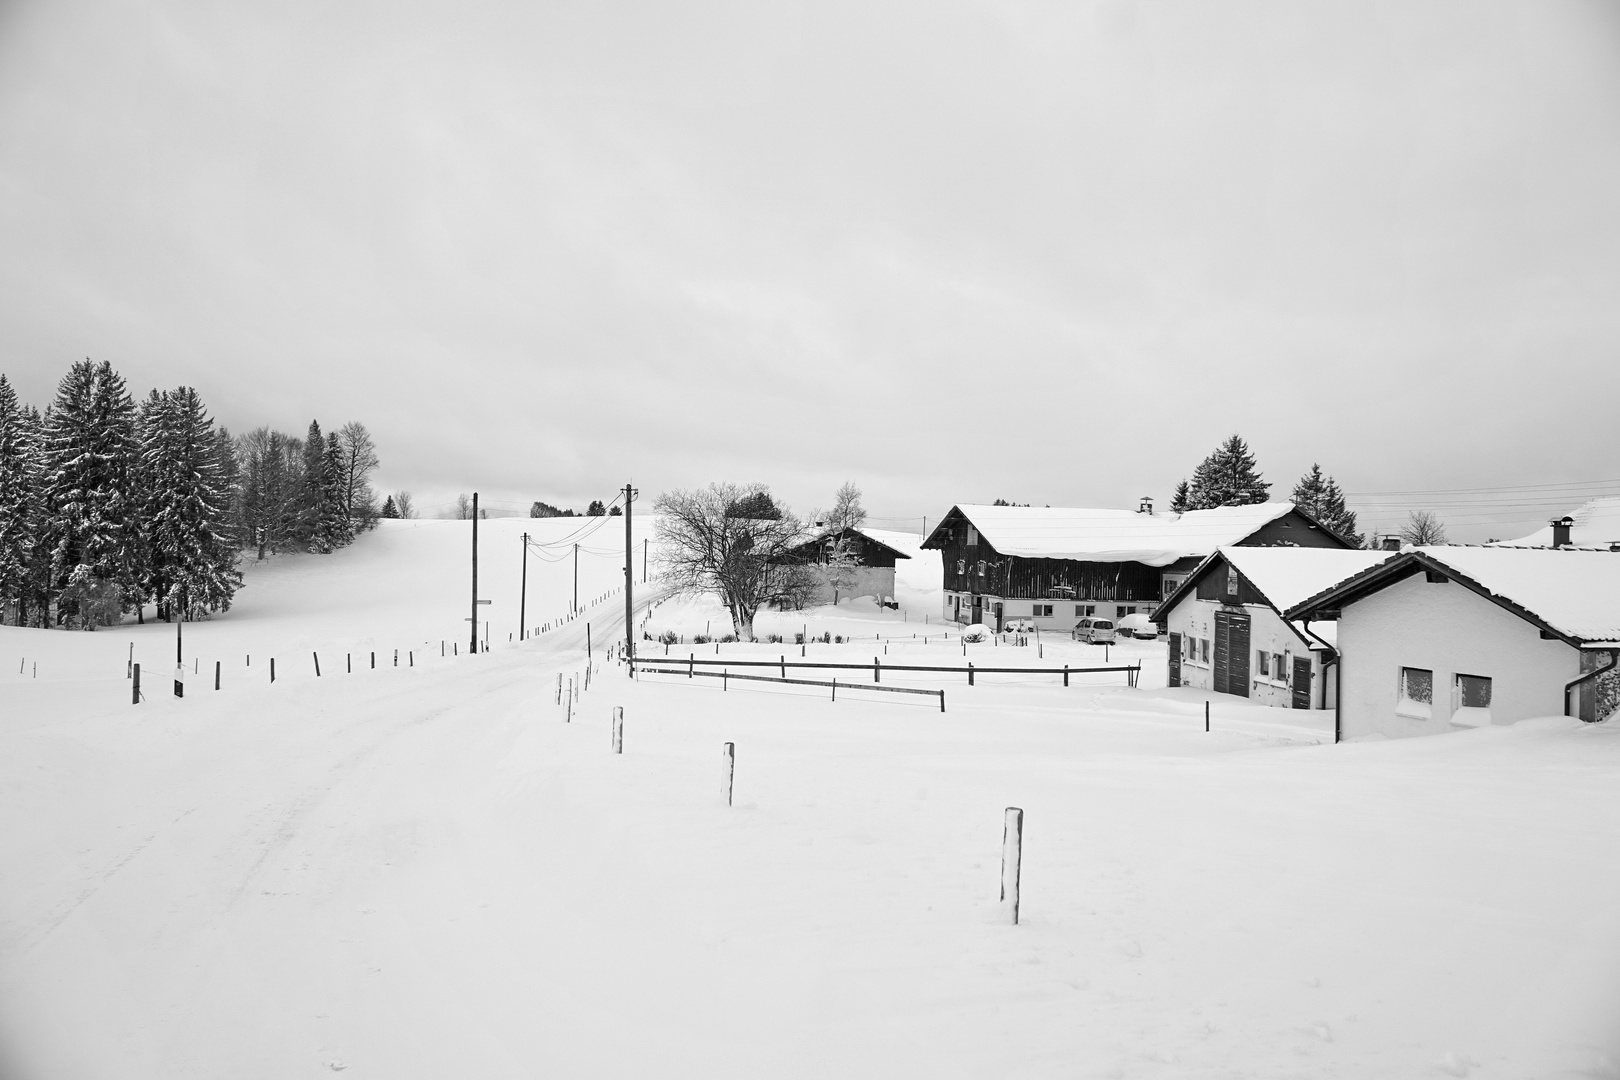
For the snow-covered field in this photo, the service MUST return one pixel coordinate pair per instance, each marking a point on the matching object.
(427, 872)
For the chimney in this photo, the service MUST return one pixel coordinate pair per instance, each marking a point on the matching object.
(1560, 528)
(1391, 542)
(1146, 506)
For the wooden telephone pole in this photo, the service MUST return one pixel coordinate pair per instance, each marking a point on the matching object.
(523, 597)
(474, 631)
(629, 582)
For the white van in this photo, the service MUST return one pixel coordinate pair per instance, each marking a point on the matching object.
(1094, 631)
(1138, 625)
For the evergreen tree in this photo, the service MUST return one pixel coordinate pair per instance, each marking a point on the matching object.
(19, 479)
(193, 558)
(1320, 497)
(34, 602)
(312, 492)
(1178, 502)
(389, 510)
(89, 452)
(336, 526)
(1227, 478)
(596, 509)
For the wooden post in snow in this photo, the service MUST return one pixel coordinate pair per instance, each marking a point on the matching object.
(135, 687)
(272, 669)
(1012, 850)
(618, 729)
(728, 759)
(216, 674)
(317, 657)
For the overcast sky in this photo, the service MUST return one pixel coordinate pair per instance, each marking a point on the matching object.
(951, 251)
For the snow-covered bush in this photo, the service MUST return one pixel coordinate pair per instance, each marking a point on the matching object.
(976, 632)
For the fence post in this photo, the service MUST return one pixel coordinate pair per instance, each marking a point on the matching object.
(216, 674)
(877, 670)
(348, 663)
(272, 669)
(374, 660)
(835, 688)
(942, 701)
(728, 758)
(1012, 851)
(618, 729)
(317, 657)
(1065, 674)
(782, 659)
(135, 689)
(970, 673)
(690, 664)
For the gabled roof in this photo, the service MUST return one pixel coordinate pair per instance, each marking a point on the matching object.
(1597, 525)
(844, 533)
(1051, 532)
(1284, 576)
(1572, 594)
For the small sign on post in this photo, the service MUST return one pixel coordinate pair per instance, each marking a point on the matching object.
(1012, 849)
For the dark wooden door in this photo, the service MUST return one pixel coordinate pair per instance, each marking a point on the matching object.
(978, 609)
(1302, 682)
(1175, 659)
(1231, 653)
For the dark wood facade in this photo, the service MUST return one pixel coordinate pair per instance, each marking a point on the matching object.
(972, 565)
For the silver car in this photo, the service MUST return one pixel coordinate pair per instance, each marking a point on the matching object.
(1095, 631)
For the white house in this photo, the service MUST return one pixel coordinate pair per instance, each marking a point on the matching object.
(1441, 638)
(1227, 631)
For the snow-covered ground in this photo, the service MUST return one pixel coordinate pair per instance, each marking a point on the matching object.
(427, 872)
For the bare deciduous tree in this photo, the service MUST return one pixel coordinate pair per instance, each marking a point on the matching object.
(713, 542)
(847, 511)
(404, 504)
(1423, 527)
(359, 459)
(463, 507)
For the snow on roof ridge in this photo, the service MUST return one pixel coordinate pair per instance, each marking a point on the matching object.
(1109, 535)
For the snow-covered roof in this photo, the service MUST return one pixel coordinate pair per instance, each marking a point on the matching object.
(1597, 524)
(1573, 592)
(1289, 576)
(1576, 592)
(1053, 532)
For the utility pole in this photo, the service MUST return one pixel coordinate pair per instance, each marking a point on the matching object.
(629, 582)
(644, 560)
(475, 576)
(523, 597)
(576, 579)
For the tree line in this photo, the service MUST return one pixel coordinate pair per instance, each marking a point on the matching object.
(108, 505)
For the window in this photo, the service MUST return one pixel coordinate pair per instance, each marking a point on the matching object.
(1231, 582)
(1279, 664)
(1042, 611)
(1263, 664)
(1186, 647)
(961, 566)
(981, 568)
(1416, 693)
(1471, 701)
(973, 536)
(1203, 650)
(1171, 584)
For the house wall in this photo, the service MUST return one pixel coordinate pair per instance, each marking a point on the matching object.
(1292, 530)
(1447, 629)
(1065, 613)
(1267, 633)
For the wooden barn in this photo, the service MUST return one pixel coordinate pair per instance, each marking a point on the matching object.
(1055, 565)
(865, 568)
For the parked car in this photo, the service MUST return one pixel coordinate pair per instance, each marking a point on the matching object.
(1018, 626)
(1138, 625)
(1094, 631)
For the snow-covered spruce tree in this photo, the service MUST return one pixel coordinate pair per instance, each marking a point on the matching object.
(89, 453)
(312, 492)
(336, 528)
(390, 512)
(1227, 478)
(230, 478)
(1319, 496)
(193, 557)
(1178, 501)
(19, 501)
(272, 465)
(35, 600)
